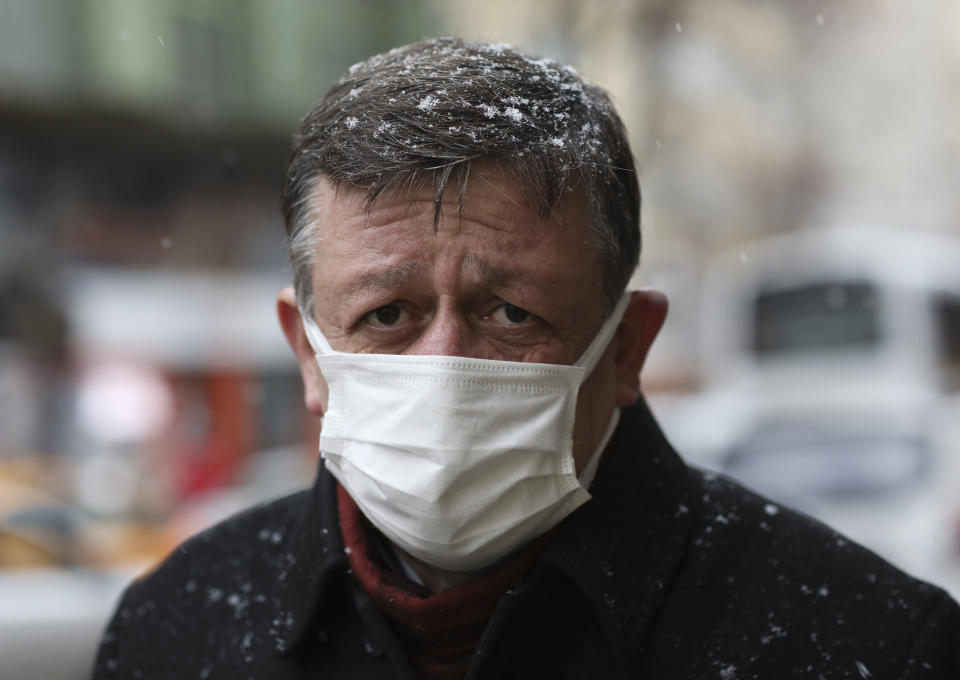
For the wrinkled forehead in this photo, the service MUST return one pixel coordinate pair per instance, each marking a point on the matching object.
(495, 185)
(489, 242)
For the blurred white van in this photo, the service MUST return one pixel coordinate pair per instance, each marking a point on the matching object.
(832, 382)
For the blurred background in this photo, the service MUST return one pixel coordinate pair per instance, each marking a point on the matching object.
(800, 163)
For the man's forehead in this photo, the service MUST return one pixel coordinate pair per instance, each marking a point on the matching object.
(406, 270)
(494, 238)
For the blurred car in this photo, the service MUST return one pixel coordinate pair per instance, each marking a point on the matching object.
(879, 486)
(61, 573)
(62, 569)
(52, 608)
(51, 620)
(832, 382)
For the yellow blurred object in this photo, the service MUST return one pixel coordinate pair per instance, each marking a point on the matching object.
(38, 529)
(127, 544)
(22, 482)
(18, 551)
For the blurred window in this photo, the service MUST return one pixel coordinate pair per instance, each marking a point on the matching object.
(946, 312)
(833, 466)
(39, 44)
(210, 67)
(281, 412)
(815, 318)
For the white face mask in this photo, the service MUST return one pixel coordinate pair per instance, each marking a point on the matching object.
(458, 461)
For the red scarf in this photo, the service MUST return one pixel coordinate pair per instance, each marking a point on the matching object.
(438, 632)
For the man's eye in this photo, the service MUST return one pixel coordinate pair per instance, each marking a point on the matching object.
(388, 315)
(508, 313)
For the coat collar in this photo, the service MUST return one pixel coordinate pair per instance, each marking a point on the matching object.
(619, 549)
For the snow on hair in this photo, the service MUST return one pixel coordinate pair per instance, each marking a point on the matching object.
(424, 112)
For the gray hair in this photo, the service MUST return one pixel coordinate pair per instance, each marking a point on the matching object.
(424, 112)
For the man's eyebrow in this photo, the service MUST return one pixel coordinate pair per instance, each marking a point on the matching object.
(385, 276)
(390, 276)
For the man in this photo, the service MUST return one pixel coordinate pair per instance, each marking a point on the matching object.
(463, 221)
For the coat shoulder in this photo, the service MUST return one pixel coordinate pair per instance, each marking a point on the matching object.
(779, 584)
(752, 534)
(228, 556)
(211, 593)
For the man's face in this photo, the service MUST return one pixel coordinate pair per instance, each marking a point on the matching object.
(492, 281)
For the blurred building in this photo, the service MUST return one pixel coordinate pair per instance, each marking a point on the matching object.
(156, 132)
(142, 146)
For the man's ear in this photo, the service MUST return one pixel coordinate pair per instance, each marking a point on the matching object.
(314, 386)
(641, 322)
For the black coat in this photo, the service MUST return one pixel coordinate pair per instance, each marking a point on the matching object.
(667, 573)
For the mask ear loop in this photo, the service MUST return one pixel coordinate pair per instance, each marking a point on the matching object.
(317, 340)
(588, 360)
